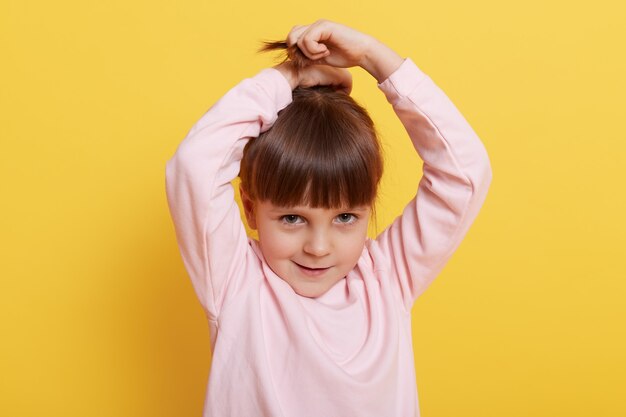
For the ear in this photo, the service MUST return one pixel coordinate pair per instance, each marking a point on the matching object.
(248, 208)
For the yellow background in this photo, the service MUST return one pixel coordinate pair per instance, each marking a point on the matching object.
(97, 315)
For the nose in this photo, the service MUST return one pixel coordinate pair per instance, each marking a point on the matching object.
(318, 243)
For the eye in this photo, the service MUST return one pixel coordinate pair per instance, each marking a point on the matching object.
(346, 218)
(291, 219)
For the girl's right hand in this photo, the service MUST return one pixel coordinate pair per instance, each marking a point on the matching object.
(313, 75)
(337, 45)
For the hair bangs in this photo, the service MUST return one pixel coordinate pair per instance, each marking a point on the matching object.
(322, 151)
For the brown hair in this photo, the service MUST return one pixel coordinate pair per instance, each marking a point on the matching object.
(322, 151)
(291, 53)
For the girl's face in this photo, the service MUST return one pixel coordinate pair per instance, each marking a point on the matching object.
(310, 248)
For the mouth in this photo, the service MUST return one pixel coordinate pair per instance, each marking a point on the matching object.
(313, 272)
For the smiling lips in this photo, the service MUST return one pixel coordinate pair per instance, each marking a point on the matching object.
(313, 272)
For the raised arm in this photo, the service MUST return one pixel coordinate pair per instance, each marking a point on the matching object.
(211, 237)
(456, 170)
(210, 234)
(456, 177)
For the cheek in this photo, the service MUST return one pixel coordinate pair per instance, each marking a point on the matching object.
(276, 244)
(352, 245)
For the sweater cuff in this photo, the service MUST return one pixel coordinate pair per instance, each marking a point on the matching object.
(402, 81)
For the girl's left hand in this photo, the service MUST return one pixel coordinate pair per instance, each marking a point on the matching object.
(331, 43)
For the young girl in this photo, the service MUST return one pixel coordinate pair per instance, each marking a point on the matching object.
(314, 318)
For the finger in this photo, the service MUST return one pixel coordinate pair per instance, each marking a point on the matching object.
(338, 78)
(341, 85)
(312, 48)
(315, 36)
(344, 81)
(295, 33)
(347, 89)
(311, 41)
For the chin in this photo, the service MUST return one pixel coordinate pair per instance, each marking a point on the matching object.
(311, 292)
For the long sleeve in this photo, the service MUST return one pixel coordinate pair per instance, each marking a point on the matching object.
(456, 177)
(211, 237)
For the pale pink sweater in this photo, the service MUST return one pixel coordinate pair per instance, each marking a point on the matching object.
(348, 352)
